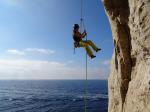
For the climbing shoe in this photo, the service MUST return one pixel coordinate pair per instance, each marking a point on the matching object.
(93, 56)
(98, 49)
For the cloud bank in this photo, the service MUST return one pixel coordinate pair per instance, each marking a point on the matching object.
(30, 50)
(29, 69)
(15, 52)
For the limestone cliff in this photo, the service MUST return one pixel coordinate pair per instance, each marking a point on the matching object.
(129, 80)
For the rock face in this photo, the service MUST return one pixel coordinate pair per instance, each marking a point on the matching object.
(129, 80)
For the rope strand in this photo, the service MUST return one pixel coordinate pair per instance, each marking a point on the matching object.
(85, 97)
(82, 26)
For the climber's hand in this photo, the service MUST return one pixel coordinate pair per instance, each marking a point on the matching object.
(85, 32)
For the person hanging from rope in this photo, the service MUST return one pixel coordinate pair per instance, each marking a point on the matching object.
(78, 42)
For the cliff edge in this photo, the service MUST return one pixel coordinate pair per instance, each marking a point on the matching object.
(129, 80)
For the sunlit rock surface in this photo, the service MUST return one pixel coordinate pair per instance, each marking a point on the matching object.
(129, 80)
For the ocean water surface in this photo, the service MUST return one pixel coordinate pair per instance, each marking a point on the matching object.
(52, 96)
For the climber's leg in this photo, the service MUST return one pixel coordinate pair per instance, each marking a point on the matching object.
(89, 42)
(86, 47)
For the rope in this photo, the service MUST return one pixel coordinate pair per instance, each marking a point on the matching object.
(86, 77)
(82, 26)
(74, 50)
(85, 97)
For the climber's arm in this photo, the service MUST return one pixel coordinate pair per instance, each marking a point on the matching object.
(84, 34)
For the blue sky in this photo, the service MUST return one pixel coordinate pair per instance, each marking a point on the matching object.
(36, 39)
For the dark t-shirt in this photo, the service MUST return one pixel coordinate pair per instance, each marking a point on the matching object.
(77, 36)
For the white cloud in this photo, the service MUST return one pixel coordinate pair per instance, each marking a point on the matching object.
(16, 52)
(70, 61)
(40, 50)
(30, 50)
(29, 69)
(106, 62)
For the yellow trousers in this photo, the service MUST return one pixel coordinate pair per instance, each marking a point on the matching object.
(86, 44)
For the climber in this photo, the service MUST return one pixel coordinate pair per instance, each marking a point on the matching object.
(78, 42)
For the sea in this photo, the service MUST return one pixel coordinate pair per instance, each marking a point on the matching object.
(53, 96)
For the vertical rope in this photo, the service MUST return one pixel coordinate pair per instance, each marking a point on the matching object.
(81, 8)
(82, 26)
(85, 97)
(81, 17)
(74, 50)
